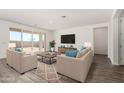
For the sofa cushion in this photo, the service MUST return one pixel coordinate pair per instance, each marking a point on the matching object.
(82, 52)
(71, 53)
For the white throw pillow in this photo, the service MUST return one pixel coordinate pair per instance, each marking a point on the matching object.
(82, 52)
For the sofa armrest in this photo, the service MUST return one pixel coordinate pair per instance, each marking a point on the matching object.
(29, 62)
(70, 59)
(76, 68)
(30, 58)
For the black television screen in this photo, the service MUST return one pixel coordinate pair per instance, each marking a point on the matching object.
(69, 39)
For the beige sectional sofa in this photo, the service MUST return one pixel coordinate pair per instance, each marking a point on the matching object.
(20, 61)
(75, 68)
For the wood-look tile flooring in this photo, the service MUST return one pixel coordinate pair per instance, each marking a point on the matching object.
(101, 71)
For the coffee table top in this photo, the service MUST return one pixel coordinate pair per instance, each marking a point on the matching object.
(47, 54)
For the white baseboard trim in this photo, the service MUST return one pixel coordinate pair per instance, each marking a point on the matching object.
(121, 63)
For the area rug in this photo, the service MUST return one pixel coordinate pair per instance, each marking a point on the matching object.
(47, 72)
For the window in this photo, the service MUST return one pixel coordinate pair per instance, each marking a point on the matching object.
(36, 42)
(27, 40)
(27, 37)
(43, 37)
(35, 37)
(15, 36)
(43, 41)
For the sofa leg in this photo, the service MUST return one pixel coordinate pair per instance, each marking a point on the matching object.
(22, 73)
(27, 71)
(35, 68)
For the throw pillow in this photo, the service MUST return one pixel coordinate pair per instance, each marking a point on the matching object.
(71, 53)
(18, 50)
(82, 52)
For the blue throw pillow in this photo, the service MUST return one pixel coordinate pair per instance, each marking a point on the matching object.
(18, 50)
(71, 53)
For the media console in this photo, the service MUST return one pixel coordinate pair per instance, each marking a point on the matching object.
(64, 49)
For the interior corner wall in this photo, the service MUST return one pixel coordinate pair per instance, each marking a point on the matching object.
(4, 35)
(115, 42)
(110, 40)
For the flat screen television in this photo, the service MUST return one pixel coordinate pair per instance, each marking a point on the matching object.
(68, 39)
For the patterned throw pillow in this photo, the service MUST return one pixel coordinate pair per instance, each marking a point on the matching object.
(82, 52)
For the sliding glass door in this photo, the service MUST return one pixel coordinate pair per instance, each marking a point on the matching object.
(42, 40)
(36, 42)
(15, 39)
(28, 41)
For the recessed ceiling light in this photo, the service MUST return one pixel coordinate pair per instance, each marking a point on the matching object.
(63, 16)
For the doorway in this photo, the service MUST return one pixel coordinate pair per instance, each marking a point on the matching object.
(101, 40)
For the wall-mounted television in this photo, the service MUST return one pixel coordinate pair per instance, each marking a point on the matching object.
(68, 39)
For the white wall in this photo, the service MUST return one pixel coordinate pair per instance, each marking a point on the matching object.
(4, 35)
(83, 34)
(101, 40)
(113, 37)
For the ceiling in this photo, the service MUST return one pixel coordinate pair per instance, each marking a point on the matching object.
(53, 20)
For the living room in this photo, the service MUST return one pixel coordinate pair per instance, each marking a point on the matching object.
(64, 46)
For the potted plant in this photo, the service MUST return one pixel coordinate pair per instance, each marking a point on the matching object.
(52, 45)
